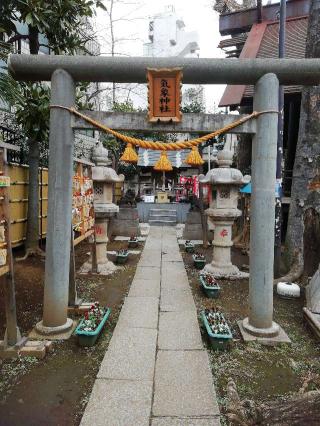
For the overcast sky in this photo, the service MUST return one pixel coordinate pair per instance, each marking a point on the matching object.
(132, 25)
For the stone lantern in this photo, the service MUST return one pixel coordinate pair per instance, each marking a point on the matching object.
(225, 182)
(103, 179)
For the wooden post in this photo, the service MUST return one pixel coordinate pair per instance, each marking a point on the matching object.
(73, 297)
(203, 218)
(7, 277)
(94, 267)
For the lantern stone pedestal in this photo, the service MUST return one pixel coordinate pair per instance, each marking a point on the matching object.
(102, 218)
(223, 211)
(103, 178)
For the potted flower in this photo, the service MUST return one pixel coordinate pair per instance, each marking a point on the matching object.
(122, 256)
(92, 324)
(209, 285)
(189, 246)
(199, 260)
(218, 330)
(133, 242)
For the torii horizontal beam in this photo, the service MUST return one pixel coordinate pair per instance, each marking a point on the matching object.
(191, 123)
(195, 70)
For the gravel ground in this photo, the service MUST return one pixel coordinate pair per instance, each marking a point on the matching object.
(54, 391)
(261, 373)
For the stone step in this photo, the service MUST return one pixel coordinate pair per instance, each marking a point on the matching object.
(171, 212)
(160, 222)
(162, 215)
(163, 210)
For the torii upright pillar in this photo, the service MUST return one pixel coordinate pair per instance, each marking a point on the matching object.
(61, 143)
(259, 324)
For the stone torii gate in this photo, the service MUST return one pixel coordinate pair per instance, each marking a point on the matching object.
(265, 74)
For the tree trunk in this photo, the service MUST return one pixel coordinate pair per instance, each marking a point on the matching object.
(302, 409)
(244, 148)
(311, 238)
(306, 163)
(33, 40)
(32, 237)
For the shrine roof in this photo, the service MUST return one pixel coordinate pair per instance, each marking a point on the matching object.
(262, 42)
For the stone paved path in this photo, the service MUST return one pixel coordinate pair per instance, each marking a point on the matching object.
(156, 371)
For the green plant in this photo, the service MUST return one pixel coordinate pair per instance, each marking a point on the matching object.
(9, 88)
(62, 23)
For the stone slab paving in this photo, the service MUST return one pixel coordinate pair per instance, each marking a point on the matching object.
(183, 385)
(177, 300)
(156, 371)
(140, 312)
(173, 268)
(175, 421)
(130, 355)
(144, 288)
(173, 275)
(171, 256)
(148, 272)
(119, 403)
(179, 331)
(175, 281)
(150, 259)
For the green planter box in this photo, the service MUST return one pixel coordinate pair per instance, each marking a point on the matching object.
(89, 338)
(199, 264)
(211, 292)
(189, 248)
(122, 258)
(133, 243)
(217, 341)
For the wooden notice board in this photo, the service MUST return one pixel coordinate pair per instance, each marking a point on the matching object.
(164, 94)
(82, 201)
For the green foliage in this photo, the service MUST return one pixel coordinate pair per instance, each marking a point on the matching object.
(61, 21)
(9, 90)
(124, 106)
(82, 101)
(194, 106)
(32, 113)
(115, 146)
(128, 170)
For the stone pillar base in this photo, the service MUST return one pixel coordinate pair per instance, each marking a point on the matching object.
(106, 268)
(268, 336)
(261, 332)
(5, 339)
(55, 332)
(228, 271)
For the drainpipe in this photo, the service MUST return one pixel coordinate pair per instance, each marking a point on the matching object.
(278, 214)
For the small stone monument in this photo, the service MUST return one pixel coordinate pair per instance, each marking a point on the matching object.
(103, 179)
(126, 222)
(225, 182)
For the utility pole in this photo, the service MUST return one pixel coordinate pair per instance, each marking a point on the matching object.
(278, 212)
(259, 11)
